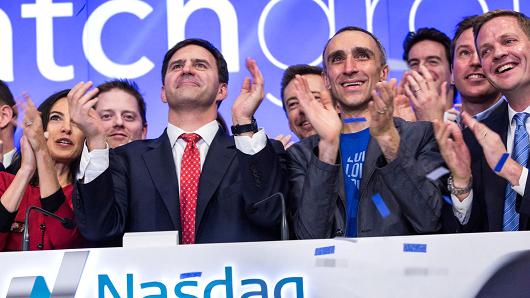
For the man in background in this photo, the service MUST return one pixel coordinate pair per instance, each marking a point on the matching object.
(298, 122)
(428, 83)
(121, 108)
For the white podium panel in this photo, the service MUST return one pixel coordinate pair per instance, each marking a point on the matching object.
(410, 266)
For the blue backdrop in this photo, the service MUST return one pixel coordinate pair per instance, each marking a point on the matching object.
(48, 45)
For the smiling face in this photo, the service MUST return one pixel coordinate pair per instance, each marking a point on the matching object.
(65, 140)
(504, 50)
(192, 79)
(121, 117)
(298, 123)
(353, 67)
(468, 75)
(432, 55)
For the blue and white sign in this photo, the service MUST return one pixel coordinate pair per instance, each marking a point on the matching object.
(48, 45)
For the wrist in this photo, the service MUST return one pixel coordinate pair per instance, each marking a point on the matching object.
(460, 192)
(26, 171)
(241, 120)
(461, 181)
(511, 171)
(245, 128)
(97, 142)
(328, 150)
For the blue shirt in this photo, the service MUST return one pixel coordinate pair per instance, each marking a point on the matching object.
(353, 150)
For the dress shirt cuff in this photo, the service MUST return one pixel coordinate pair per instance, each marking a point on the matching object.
(251, 145)
(92, 163)
(522, 182)
(462, 210)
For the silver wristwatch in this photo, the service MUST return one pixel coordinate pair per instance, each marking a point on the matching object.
(457, 190)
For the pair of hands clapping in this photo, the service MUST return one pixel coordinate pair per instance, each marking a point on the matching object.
(33, 140)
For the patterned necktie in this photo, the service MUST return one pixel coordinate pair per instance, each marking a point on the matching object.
(190, 170)
(520, 155)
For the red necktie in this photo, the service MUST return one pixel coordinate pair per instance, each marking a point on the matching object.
(190, 170)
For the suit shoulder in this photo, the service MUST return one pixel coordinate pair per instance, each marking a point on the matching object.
(412, 127)
(135, 146)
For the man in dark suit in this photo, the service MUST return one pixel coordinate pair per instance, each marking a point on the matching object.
(498, 147)
(8, 124)
(193, 178)
(364, 174)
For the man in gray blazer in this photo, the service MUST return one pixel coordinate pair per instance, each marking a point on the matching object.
(364, 174)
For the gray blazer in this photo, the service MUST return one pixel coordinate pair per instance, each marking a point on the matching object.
(317, 196)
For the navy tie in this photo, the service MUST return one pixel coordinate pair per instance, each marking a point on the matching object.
(520, 155)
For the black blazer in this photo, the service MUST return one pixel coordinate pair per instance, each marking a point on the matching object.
(139, 193)
(488, 188)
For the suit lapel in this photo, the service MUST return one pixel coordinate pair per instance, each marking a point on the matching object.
(372, 154)
(161, 166)
(220, 155)
(494, 197)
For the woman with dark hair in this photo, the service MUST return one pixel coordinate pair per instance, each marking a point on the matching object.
(52, 146)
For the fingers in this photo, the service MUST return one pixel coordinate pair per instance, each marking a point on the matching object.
(257, 76)
(81, 96)
(416, 81)
(285, 140)
(303, 93)
(426, 74)
(326, 100)
(479, 130)
(411, 95)
(383, 96)
(245, 88)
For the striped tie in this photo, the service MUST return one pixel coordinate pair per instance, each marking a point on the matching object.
(520, 155)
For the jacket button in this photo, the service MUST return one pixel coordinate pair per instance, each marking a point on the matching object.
(40, 246)
(42, 227)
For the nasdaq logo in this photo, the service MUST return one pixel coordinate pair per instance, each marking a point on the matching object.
(191, 285)
(66, 282)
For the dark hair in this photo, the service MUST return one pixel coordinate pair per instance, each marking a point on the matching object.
(521, 18)
(45, 108)
(129, 87)
(354, 28)
(292, 71)
(6, 97)
(422, 34)
(463, 25)
(222, 68)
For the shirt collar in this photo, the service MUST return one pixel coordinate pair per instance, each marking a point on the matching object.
(8, 158)
(207, 132)
(487, 112)
(511, 112)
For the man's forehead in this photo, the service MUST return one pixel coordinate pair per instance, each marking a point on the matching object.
(117, 99)
(466, 37)
(498, 26)
(427, 48)
(350, 39)
(192, 51)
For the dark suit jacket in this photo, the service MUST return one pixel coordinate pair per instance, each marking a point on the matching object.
(488, 188)
(139, 193)
(319, 202)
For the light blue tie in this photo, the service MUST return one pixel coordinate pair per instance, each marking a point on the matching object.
(520, 155)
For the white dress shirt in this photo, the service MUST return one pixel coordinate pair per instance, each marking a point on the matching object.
(8, 158)
(462, 210)
(95, 162)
